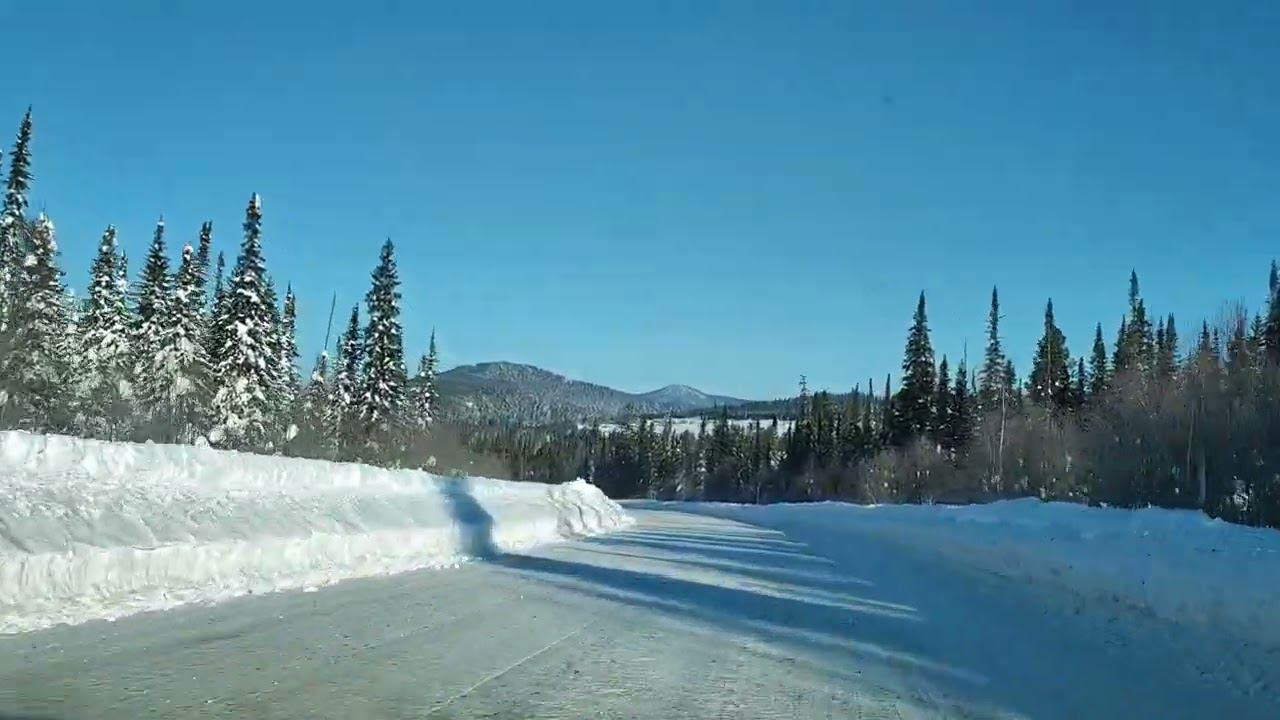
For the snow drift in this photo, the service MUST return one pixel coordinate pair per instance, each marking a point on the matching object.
(1179, 565)
(92, 529)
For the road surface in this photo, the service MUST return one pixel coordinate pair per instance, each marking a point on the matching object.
(681, 616)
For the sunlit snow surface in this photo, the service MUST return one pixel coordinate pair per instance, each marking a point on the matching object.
(92, 529)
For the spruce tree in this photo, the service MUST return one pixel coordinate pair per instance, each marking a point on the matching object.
(288, 371)
(152, 316)
(1121, 357)
(383, 380)
(104, 384)
(314, 400)
(1050, 381)
(887, 415)
(204, 246)
(992, 375)
(217, 322)
(13, 216)
(179, 374)
(1012, 390)
(1138, 345)
(1168, 360)
(422, 390)
(961, 421)
(346, 382)
(914, 413)
(242, 408)
(1271, 333)
(35, 368)
(1080, 390)
(942, 409)
(1098, 374)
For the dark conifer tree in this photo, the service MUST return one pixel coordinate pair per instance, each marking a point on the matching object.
(1271, 333)
(913, 411)
(992, 375)
(382, 393)
(963, 413)
(13, 215)
(153, 316)
(1098, 373)
(1050, 381)
(942, 410)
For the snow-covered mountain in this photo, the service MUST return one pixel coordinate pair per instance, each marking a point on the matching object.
(682, 397)
(524, 393)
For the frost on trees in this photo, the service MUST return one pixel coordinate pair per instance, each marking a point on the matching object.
(103, 385)
(246, 367)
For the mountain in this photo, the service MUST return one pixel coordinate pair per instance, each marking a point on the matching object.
(680, 398)
(528, 394)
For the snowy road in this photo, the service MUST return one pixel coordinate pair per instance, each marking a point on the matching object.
(681, 616)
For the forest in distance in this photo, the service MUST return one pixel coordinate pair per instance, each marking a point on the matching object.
(205, 354)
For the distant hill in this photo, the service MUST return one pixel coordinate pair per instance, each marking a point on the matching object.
(528, 394)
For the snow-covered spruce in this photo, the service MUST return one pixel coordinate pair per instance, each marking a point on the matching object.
(94, 529)
(246, 367)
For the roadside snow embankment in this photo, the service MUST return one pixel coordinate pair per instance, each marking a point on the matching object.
(92, 529)
(1179, 565)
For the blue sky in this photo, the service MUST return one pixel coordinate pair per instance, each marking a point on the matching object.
(724, 194)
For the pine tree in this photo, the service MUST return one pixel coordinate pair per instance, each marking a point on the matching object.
(914, 413)
(942, 409)
(13, 215)
(1098, 374)
(343, 411)
(103, 385)
(152, 315)
(242, 408)
(1050, 381)
(35, 370)
(992, 375)
(383, 380)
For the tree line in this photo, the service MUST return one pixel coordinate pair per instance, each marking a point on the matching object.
(195, 354)
(1134, 424)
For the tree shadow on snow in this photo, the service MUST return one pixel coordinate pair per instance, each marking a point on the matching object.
(475, 524)
(836, 626)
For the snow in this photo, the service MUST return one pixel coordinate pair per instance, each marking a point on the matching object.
(691, 424)
(1178, 565)
(92, 529)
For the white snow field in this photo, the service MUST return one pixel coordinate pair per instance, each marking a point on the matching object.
(693, 611)
(1179, 565)
(92, 529)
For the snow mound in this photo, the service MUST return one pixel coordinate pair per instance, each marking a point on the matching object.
(1180, 565)
(92, 529)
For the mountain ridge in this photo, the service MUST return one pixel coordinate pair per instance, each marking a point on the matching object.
(504, 390)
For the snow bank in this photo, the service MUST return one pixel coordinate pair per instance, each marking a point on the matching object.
(1179, 565)
(92, 529)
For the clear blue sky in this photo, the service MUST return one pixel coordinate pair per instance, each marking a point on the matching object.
(724, 194)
